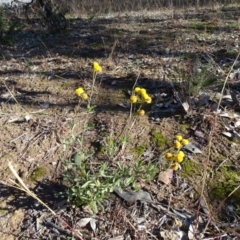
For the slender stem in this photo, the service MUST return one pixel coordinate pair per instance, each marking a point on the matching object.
(92, 88)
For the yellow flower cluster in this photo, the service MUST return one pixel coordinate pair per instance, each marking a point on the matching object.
(180, 141)
(177, 158)
(80, 93)
(141, 96)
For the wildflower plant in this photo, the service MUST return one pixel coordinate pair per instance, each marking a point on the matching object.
(96, 69)
(87, 187)
(177, 157)
(139, 96)
(80, 92)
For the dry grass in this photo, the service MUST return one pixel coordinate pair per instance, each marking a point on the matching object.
(140, 52)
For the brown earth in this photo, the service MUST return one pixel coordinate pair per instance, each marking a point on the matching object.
(39, 73)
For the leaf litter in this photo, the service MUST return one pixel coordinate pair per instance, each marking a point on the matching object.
(172, 217)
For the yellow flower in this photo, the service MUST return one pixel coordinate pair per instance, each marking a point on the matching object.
(142, 91)
(144, 95)
(79, 91)
(168, 156)
(179, 157)
(177, 144)
(137, 89)
(96, 67)
(185, 142)
(181, 153)
(133, 99)
(179, 138)
(148, 100)
(84, 96)
(140, 112)
(175, 166)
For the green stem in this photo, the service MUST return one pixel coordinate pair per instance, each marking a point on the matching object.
(93, 83)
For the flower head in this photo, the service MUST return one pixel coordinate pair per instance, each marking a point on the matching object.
(141, 112)
(148, 99)
(84, 96)
(179, 157)
(185, 142)
(137, 89)
(133, 99)
(177, 144)
(181, 153)
(79, 91)
(179, 138)
(96, 67)
(169, 156)
(175, 166)
(142, 91)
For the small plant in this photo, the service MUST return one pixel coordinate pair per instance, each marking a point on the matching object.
(197, 76)
(96, 69)
(80, 92)
(88, 186)
(178, 157)
(140, 96)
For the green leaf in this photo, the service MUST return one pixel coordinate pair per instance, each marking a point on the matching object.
(86, 184)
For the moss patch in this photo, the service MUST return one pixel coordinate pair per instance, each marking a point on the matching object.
(224, 182)
(139, 150)
(202, 26)
(190, 169)
(38, 174)
(160, 141)
(184, 128)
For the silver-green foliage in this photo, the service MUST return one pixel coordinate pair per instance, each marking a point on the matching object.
(88, 186)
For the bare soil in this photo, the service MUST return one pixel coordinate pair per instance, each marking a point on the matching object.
(40, 71)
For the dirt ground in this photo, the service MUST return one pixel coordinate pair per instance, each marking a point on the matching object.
(39, 113)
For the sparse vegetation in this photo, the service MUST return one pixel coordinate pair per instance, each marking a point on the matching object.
(91, 115)
(89, 185)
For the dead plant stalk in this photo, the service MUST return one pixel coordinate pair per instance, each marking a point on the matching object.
(14, 97)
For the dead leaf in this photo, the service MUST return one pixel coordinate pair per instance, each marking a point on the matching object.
(84, 221)
(93, 224)
(133, 196)
(172, 234)
(199, 134)
(192, 148)
(185, 106)
(166, 176)
(195, 229)
(227, 134)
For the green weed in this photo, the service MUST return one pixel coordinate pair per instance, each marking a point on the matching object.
(198, 76)
(88, 186)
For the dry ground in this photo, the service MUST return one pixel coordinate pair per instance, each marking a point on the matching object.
(39, 73)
